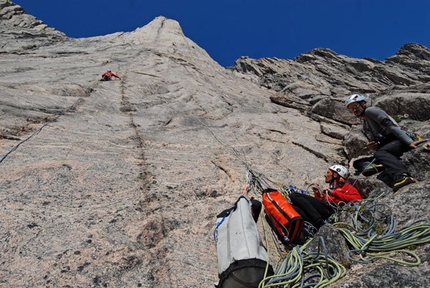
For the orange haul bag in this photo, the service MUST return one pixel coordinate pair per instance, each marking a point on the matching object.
(284, 220)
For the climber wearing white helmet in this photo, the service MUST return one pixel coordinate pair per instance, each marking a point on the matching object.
(386, 138)
(339, 189)
(316, 210)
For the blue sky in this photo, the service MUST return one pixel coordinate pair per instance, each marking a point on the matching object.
(228, 29)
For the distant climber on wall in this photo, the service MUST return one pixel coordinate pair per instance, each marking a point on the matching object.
(316, 210)
(386, 138)
(107, 76)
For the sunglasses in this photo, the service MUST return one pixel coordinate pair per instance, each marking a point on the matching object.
(354, 107)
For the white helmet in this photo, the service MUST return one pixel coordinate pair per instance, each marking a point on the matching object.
(341, 170)
(355, 98)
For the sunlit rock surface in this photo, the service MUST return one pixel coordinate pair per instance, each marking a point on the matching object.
(118, 183)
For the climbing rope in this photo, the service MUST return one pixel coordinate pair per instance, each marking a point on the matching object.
(306, 269)
(370, 231)
(259, 182)
(380, 246)
(71, 108)
(371, 234)
(295, 268)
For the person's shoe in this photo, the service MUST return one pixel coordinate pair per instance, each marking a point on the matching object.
(372, 169)
(402, 182)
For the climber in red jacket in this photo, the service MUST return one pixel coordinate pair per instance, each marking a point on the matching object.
(108, 76)
(339, 190)
(316, 210)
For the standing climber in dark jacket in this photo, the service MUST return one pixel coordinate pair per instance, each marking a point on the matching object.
(385, 137)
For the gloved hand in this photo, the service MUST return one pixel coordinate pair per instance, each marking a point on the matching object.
(317, 190)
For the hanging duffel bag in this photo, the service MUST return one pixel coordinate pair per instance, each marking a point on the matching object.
(242, 258)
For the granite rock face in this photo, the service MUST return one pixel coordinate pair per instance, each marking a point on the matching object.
(117, 183)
